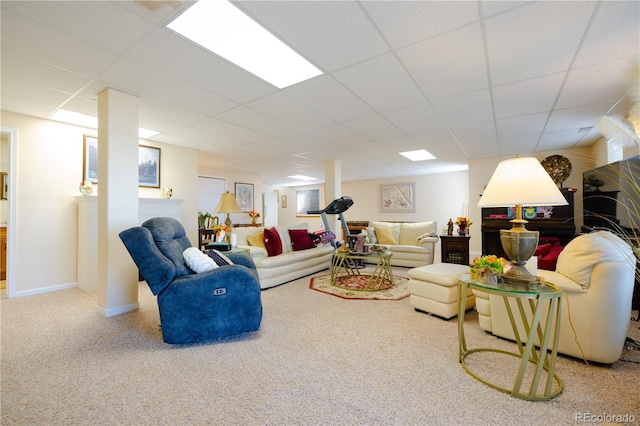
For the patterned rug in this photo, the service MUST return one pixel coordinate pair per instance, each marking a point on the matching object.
(351, 287)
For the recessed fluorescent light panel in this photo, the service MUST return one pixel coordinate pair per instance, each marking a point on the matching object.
(418, 155)
(220, 27)
(301, 177)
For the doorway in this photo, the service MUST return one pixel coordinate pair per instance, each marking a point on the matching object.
(8, 217)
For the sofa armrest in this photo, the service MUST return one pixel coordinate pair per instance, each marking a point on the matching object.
(427, 240)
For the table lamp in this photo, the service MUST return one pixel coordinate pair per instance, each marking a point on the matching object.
(228, 204)
(520, 181)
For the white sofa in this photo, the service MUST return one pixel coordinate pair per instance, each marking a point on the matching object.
(412, 245)
(596, 271)
(288, 266)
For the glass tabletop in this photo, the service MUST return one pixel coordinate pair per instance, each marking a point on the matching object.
(533, 288)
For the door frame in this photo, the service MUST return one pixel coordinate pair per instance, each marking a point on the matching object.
(12, 216)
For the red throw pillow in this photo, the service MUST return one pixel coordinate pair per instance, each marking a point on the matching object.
(543, 250)
(272, 242)
(300, 239)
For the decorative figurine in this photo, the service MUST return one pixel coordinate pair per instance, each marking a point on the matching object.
(450, 227)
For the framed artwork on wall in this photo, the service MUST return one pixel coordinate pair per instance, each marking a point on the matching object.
(398, 198)
(4, 191)
(244, 196)
(148, 163)
(148, 166)
(307, 199)
(90, 159)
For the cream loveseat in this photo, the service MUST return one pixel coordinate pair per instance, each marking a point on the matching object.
(412, 244)
(596, 271)
(291, 264)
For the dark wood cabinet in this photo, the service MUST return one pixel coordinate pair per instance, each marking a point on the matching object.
(560, 226)
(454, 249)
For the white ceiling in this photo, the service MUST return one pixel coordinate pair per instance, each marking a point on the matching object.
(462, 79)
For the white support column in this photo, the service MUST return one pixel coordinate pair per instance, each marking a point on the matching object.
(117, 200)
(333, 190)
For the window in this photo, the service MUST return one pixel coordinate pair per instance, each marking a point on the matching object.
(307, 199)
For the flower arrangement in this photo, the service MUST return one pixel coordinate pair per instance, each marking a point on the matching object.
(483, 266)
(463, 222)
(254, 214)
(220, 231)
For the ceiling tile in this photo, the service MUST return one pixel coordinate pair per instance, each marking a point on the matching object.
(407, 22)
(527, 96)
(470, 107)
(329, 97)
(614, 34)
(576, 118)
(523, 43)
(595, 84)
(449, 64)
(523, 125)
(382, 83)
(49, 46)
(254, 120)
(101, 23)
(287, 110)
(374, 127)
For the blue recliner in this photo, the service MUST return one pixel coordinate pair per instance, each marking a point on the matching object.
(193, 307)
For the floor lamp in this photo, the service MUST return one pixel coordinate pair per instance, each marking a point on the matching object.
(228, 204)
(520, 181)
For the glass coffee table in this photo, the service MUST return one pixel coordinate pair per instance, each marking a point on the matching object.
(379, 279)
(536, 327)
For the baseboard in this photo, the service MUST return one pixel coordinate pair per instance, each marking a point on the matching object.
(42, 290)
(110, 312)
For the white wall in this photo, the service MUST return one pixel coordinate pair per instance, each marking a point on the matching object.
(233, 177)
(49, 171)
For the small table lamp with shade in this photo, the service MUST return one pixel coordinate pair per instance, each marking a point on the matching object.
(520, 181)
(228, 204)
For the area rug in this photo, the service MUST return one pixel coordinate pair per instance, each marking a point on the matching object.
(349, 286)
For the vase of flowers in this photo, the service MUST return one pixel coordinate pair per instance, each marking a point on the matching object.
(487, 269)
(254, 216)
(463, 223)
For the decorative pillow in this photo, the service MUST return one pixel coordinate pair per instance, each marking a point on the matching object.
(543, 250)
(300, 239)
(272, 242)
(219, 258)
(325, 236)
(197, 261)
(371, 232)
(256, 240)
(385, 235)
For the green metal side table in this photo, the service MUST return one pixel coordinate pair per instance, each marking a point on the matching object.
(539, 318)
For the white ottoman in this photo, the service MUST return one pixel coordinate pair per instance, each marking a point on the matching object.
(434, 289)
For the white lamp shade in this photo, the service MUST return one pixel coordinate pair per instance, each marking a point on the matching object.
(521, 181)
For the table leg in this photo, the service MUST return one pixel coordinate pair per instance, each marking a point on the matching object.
(463, 288)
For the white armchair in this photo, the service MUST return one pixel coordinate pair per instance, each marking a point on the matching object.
(596, 271)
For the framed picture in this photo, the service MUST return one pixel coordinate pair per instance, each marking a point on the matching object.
(90, 159)
(244, 196)
(4, 191)
(398, 198)
(284, 201)
(148, 166)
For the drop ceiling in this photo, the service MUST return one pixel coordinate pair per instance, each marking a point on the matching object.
(461, 79)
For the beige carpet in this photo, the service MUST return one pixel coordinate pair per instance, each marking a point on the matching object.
(317, 360)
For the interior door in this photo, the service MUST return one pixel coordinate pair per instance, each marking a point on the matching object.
(270, 209)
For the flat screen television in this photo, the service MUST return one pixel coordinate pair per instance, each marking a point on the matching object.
(610, 193)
